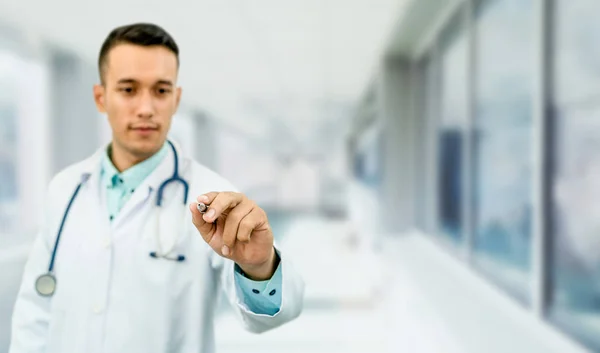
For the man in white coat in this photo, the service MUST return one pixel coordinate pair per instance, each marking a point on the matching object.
(125, 263)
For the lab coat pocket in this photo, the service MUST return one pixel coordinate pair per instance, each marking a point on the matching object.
(56, 331)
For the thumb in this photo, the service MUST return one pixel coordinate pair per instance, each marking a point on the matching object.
(206, 229)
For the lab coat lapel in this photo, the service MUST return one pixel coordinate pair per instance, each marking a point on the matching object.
(92, 168)
(91, 194)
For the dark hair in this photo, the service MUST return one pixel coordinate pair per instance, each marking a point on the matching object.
(144, 34)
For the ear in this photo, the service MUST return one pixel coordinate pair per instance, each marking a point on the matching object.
(178, 98)
(99, 97)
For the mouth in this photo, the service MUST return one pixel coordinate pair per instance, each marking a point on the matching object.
(144, 128)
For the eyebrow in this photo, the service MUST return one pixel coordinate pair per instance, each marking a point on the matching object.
(159, 82)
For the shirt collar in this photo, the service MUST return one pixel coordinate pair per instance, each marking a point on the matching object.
(130, 178)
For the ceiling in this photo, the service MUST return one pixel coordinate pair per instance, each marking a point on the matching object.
(250, 63)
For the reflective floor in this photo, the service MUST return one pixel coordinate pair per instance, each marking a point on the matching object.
(400, 294)
(345, 309)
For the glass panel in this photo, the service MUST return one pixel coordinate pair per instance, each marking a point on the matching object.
(575, 300)
(503, 149)
(453, 114)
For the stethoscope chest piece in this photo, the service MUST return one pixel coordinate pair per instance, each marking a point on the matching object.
(45, 284)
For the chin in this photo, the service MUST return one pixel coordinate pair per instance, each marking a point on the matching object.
(146, 147)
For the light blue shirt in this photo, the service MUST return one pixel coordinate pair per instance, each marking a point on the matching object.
(261, 297)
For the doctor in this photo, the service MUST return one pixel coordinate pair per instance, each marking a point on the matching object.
(125, 261)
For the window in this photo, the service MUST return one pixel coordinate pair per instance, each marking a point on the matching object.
(367, 158)
(502, 191)
(453, 119)
(8, 147)
(575, 296)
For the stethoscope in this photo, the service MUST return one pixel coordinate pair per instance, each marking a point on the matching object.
(45, 284)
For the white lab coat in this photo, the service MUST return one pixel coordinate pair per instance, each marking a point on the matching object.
(111, 296)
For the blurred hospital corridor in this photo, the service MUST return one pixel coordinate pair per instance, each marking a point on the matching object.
(431, 168)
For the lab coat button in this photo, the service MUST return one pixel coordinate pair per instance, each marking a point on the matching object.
(97, 309)
(273, 292)
(255, 291)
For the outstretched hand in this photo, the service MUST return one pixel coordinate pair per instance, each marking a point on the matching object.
(236, 228)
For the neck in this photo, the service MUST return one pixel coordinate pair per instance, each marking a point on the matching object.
(123, 159)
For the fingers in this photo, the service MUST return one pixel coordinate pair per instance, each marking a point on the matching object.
(206, 229)
(240, 217)
(208, 197)
(218, 203)
(255, 219)
(232, 222)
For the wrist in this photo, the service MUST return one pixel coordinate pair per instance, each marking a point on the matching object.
(264, 271)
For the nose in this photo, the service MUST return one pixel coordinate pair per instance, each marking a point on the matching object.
(145, 107)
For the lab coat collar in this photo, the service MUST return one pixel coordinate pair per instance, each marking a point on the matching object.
(92, 166)
(134, 176)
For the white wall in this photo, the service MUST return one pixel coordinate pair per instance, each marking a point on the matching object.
(183, 131)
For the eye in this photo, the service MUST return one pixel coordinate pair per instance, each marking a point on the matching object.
(163, 90)
(126, 89)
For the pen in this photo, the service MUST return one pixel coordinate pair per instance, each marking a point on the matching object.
(202, 208)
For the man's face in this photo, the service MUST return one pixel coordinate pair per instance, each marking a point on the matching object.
(139, 96)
